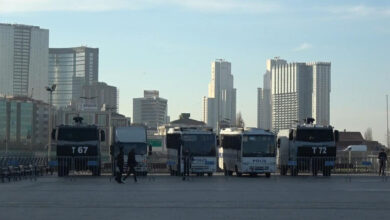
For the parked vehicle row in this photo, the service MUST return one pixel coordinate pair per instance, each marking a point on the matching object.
(234, 151)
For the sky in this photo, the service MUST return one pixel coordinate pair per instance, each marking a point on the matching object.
(168, 45)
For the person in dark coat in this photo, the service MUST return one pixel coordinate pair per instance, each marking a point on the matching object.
(131, 163)
(382, 156)
(119, 164)
(187, 163)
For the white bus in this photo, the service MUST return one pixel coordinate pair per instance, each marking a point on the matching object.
(131, 138)
(247, 151)
(201, 145)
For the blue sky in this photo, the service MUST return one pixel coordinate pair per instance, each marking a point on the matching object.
(168, 45)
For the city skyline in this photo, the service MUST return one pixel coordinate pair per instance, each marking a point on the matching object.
(351, 36)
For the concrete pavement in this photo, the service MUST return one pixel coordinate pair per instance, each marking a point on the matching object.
(218, 197)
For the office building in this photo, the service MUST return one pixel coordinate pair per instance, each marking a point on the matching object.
(24, 61)
(151, 110)
(23, 124)
(99, 96)
(71, 69)
(297, 91)
(264, 95)
(220, 105)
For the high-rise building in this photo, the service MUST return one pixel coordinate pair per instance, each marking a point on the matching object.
(151, 110)
(297, 91)
(220, 105)
(321, 92)
(264, 95)
(24, 61)
(99, 96)
(71, 69)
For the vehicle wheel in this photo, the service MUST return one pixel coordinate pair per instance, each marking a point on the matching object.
(253, 174)
(294, 171)
(283, 170)
(237, 173)
(209, 174)
(61, 171)
(225, 172)
(230, 173)
(268, 175)
(96, 171)
(315, 172)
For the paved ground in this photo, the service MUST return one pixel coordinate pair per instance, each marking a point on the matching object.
(218, 197)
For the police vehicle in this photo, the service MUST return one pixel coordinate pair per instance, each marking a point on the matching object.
(247, 151)
(78, 147)
(307, 147)
(131, 138)
(197, 143)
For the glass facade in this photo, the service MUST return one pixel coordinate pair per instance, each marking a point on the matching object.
(23, 124)
(70, 69)
(26, 122)
(13, 122)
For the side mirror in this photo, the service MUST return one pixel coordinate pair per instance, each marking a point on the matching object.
(336, 135)
(53, 134)
(150, 150)
(278, 143)
(102, 136)
(217, 141)
(291, 135)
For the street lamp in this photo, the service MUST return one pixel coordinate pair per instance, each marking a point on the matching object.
(50, 90)
(109, 108)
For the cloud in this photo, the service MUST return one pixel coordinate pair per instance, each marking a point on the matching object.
(12, 6)
(355, 11)
(304, 46)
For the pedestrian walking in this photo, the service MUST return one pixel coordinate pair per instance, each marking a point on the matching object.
(119, 164)
(382, 156)
(187, 163)
(131, 164)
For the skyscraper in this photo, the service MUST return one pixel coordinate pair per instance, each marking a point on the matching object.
(24, 61)
(298, 91)
(321, 92)
(151, 110)
(71, 69)
(220, 105)
(264, 95)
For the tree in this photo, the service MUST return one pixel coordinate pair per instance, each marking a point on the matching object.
(368, 134)
(240, 121)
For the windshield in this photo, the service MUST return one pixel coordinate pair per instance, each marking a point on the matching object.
(78, 134)
(139, 148)
(258, 145)
(314, 135)
(199, 144)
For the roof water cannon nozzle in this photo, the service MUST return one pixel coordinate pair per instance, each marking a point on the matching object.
(78, 120)
(309, 120)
